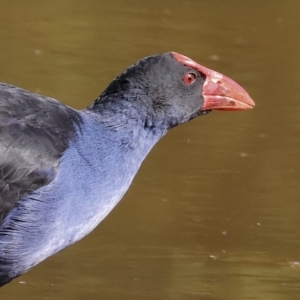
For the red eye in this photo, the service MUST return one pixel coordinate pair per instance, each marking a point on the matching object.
(189, 78)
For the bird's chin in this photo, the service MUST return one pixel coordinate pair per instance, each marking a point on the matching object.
(203, 112)
(199, 113)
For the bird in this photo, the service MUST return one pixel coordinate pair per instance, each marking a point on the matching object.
(63, 170)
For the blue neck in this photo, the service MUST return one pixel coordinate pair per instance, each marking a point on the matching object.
(107, 155)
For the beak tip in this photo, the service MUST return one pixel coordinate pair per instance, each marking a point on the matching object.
(250, 101)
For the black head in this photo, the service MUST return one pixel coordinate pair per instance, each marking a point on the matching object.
(170, 89)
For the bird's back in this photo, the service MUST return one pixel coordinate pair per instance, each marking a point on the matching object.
(34, 133)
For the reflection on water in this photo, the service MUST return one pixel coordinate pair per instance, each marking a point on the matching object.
(214, 211)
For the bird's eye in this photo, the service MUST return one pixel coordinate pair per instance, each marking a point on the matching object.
(189, 78)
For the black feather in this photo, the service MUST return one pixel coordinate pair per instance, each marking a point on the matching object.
(34, 133)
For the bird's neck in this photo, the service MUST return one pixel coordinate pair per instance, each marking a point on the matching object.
(125, 131)
(135, 114)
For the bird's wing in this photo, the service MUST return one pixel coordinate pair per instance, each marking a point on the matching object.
(34, 133)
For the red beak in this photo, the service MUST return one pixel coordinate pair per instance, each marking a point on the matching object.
(219, 91)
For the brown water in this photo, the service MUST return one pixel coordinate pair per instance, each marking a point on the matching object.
(214, 212)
